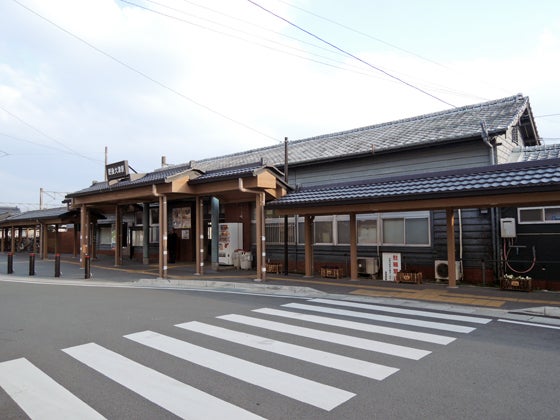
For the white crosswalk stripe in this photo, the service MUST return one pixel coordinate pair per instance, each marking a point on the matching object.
(359, 326)
(301, 389)
(176, 397)
(341, 339)
(383, 318)
(402, 311)
(319, 357)
(39, 395)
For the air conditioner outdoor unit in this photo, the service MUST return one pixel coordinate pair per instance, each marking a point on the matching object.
(441, 268)
(368, 266)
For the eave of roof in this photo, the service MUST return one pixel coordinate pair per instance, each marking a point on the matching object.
(541, 175)
(234, 173)
(158, 176)
(45, 214)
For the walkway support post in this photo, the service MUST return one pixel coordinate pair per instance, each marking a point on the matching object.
(84, 234)
(450, 213)
(118, 236)
(215, 219)
(353, 248)
(308, 246)
(199, 216)
(146, 234)
(162, 236)
(261, 239)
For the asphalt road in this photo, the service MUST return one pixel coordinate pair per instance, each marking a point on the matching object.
(118, 353)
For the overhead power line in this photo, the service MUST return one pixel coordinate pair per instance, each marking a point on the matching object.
(144, 75)
(345, 66)
(547, 115)
(351, 55)
(68, 149)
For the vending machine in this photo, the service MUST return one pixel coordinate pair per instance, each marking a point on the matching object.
(230, 240)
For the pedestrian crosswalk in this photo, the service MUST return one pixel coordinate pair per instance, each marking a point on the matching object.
(293, 331)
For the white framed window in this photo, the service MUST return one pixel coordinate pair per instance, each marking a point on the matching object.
(534, 215)
(105, 235)
(408, 228)
(274, 230)
(366, 226)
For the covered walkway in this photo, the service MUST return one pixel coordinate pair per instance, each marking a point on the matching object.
(195, 189)
(30, 231)
(517, 184)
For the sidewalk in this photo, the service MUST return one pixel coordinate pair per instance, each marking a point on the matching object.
(133, 274)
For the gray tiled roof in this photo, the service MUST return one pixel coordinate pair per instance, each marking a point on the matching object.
(522, 176)
(40, 214)
(229, 173)
(156, 177)
(527, 154)
(429, 129)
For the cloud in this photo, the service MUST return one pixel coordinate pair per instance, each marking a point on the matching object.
(191, 87)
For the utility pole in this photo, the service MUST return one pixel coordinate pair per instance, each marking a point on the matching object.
(286, 259)
(41, 198)
(106, 161)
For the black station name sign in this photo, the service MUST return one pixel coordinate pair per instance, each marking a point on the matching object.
(117, 170)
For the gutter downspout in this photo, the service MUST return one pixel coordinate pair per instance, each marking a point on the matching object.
(261, 240)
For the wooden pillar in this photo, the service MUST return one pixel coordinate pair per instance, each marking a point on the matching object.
(215, 219)
(118, 236)
(75, 244)
(199, 235)
(3, 239)
(309, 246)
(353, 248)
(84, 235)
(163, 236)
(93, 239)
(36, 247)
(261, 239)
(146, 234)
(451, 248)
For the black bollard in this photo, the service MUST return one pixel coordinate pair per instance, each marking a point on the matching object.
(87, 273)
(32, 264)
(10, 263)
(57, 265)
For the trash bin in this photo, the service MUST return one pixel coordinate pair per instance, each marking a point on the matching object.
(246, 259)
(236, 258)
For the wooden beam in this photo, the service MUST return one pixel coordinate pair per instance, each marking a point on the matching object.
(505, 200)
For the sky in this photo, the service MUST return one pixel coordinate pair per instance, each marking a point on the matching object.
(191, 80)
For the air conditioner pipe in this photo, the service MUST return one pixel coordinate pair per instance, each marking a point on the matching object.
(493, 210)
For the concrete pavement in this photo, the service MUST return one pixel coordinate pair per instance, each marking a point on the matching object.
(535, 306)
